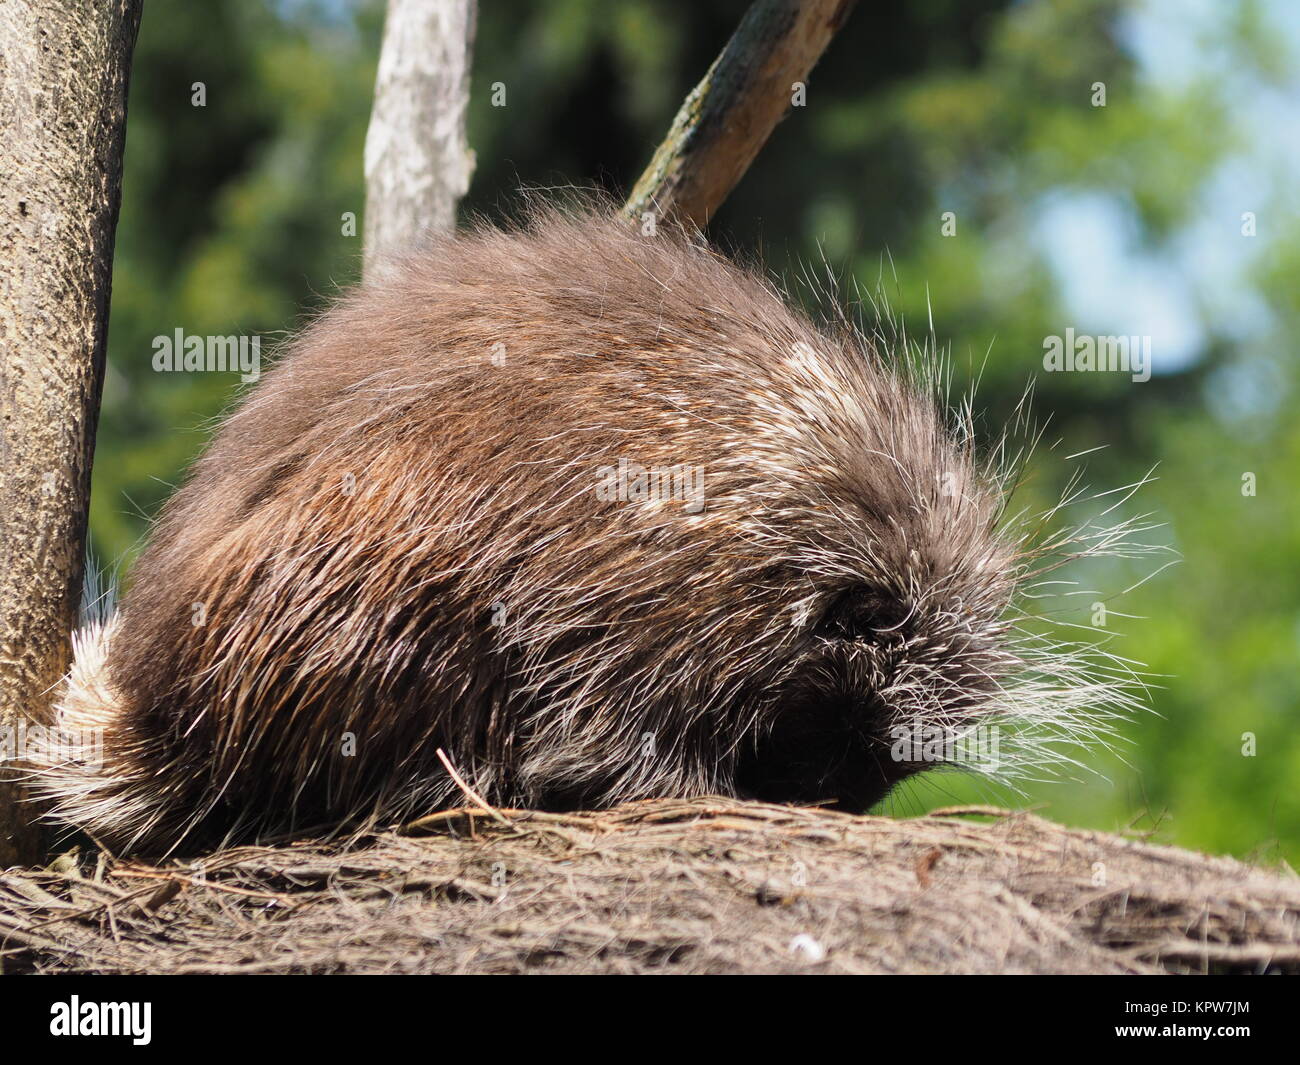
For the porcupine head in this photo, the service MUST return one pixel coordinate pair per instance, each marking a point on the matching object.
(595, 514)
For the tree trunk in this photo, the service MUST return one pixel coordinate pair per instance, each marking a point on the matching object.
(418, 163)
(64, 67)
(730, 114)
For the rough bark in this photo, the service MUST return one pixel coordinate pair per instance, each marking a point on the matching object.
(730, 114)
(418, 162)
(64, 67)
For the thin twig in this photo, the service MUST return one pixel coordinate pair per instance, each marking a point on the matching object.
(473, 795)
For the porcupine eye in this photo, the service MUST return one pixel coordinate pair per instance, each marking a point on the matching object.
(859, 613)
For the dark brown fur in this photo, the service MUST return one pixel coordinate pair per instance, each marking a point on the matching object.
(397, 545)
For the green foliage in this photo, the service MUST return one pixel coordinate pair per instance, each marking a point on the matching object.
(232, 222)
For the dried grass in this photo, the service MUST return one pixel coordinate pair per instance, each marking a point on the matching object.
(708, 885)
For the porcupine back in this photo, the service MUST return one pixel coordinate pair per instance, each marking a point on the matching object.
(425, 529)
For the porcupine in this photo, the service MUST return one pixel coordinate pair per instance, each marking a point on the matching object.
(595, 514)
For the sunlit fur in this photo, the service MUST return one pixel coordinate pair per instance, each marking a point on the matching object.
(395, 546)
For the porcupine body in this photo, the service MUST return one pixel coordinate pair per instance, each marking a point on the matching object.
(596, 514)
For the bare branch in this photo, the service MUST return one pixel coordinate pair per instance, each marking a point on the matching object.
(418, 163)
(730, 114)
